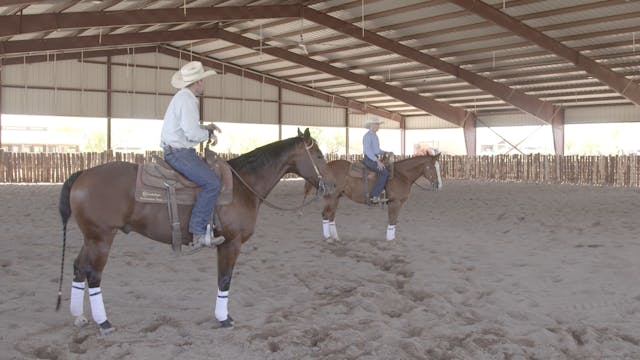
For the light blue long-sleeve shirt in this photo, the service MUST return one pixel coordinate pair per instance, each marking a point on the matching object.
(181, 127)
(371, 145)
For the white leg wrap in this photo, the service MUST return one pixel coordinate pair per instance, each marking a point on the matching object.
(437, 165)
(97, 305)
(222, 312)
(391, 232)
(333, 230)
(77, 298)
(326, 233)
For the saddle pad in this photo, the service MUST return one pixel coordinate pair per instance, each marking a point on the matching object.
(153, 180)
(358, 168)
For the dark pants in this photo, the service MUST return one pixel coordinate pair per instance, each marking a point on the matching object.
(381, 179)
(189, 164)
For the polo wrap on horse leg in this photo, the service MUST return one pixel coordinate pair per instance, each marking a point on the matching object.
(326, 232)
(76, 305)
(222, 301)
(391, 232)
(97, 305)
(333, 230)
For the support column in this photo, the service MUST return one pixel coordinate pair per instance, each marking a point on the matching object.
(279, 112)
(108, 102)
(470, 134)
(1, 103)
(557, 127)
(403, 136)
(346, 130)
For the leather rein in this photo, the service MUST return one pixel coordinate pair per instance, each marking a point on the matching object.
(321, 186)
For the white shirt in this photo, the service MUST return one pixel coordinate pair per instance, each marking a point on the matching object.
(181, 127)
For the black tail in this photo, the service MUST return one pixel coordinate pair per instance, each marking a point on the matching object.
(64, 206)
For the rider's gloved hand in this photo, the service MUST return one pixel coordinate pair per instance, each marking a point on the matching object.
(211, 128)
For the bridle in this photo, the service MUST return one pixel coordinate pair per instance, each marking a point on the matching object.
(322, 187)
(433, 186)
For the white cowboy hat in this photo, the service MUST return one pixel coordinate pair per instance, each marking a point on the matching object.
(373, 121)
(189, 73)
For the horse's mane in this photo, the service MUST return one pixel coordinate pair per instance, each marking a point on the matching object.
(264, 156)
(414, 158)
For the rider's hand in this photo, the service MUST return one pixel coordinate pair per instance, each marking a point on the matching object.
(380, 164)
(212, 127)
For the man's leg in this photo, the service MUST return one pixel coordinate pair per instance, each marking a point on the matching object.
(195, 169)
(381, 179)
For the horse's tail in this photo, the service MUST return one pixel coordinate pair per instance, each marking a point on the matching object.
(64, 206)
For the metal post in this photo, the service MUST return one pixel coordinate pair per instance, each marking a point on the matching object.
(0, 104)
(279, 112)
(403, 136)
(108, 102)
(346, 124)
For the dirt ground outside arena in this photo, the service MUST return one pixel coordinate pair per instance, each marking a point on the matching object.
(478, 271)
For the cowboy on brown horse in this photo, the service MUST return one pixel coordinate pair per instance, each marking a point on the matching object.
(180, 133)
(372, 159)
(103, 201)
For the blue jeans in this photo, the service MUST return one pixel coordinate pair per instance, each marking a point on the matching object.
(381, 179)
(189, 164)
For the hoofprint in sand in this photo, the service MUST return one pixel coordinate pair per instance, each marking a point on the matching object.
(478, 271)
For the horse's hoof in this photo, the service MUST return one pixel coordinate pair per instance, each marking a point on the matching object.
(80, 321)
(106, 328)
(328, 240)
(226, 323)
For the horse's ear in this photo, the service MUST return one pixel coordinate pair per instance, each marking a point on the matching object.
(299, 132)
(307, 133)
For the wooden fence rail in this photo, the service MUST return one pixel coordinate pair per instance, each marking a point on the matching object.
(614, 170)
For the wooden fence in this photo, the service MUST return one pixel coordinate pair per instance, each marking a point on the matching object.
(616, 170)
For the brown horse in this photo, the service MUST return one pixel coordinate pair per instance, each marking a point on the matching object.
(406, 172)
(102, 201)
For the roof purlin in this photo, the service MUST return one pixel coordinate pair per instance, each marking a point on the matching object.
(446, 112)
(534, 106)
(626, 87)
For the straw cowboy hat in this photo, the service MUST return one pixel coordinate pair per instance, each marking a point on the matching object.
(373, 121)
(189, 73)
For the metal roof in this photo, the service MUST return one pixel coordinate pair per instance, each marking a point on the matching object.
(458, 56)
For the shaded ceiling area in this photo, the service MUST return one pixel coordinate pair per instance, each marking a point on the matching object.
(452, 59)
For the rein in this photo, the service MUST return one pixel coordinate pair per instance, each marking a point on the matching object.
(273, 206)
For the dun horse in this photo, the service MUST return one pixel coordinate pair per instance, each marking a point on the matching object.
(406, 172)
(102, 201)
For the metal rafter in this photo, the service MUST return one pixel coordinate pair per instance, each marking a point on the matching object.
(335, 100)
(20, 24)
(41, 45)
(449, 113)
(626, 87)
(534, 106)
